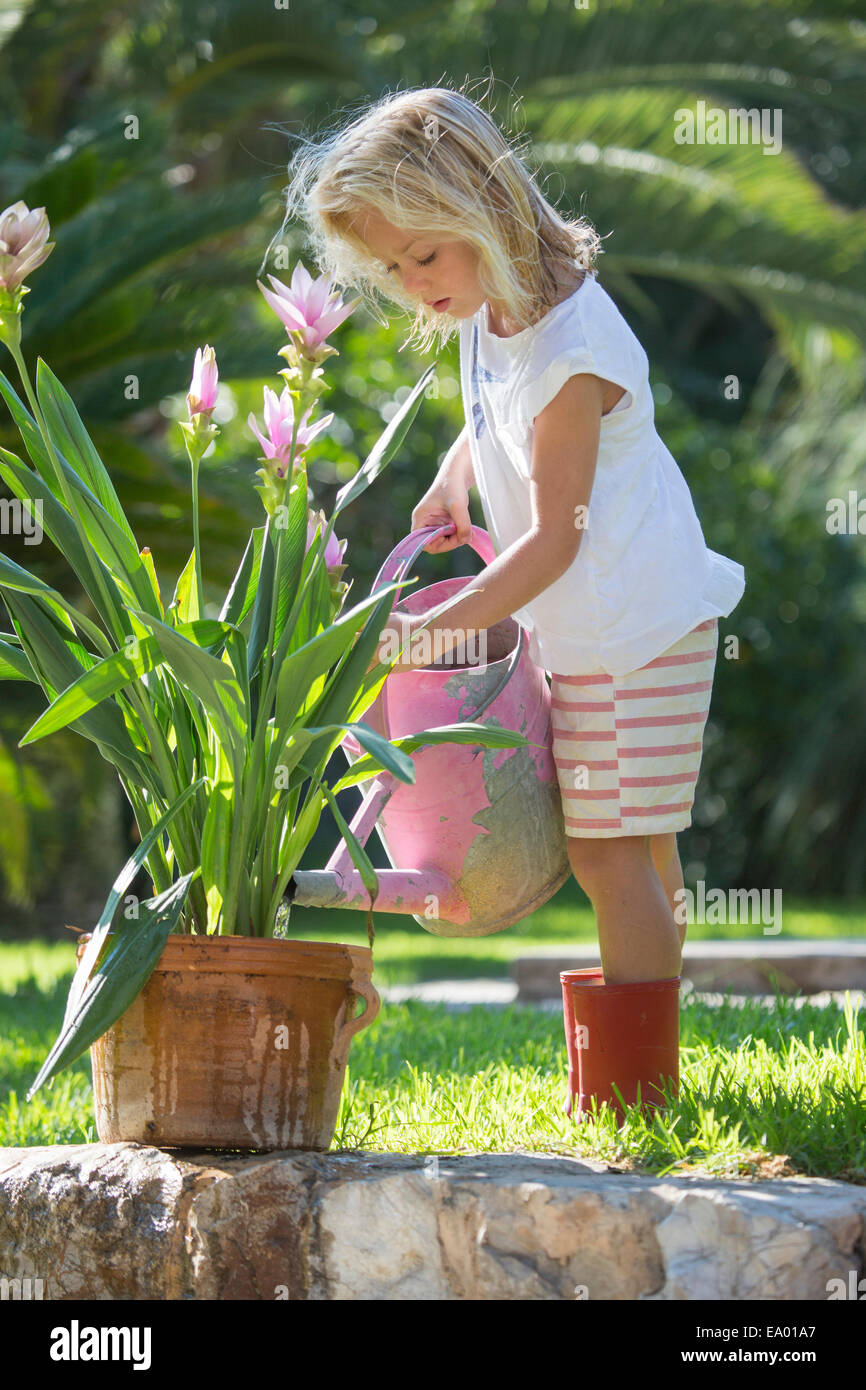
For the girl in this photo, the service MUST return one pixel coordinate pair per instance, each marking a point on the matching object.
(599, 553)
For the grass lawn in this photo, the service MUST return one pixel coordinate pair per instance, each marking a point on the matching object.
(764, 1091)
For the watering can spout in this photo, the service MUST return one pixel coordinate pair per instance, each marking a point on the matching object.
(425, 893)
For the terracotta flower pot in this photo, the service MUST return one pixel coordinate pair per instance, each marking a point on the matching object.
(234, 1042)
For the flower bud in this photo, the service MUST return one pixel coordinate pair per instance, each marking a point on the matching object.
(24, 244)
(202, 394)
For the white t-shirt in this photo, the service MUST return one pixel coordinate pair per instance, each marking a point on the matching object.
(643, 576)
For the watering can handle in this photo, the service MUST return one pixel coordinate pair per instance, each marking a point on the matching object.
(409, 549)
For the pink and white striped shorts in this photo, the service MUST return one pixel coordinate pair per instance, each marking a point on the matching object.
(628, 748)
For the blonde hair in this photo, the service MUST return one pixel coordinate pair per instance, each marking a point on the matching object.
(429, 159)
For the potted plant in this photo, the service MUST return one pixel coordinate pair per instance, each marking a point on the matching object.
(207, 1025)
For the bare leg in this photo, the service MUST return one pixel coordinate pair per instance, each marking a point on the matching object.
(637, 935)
(669, 869)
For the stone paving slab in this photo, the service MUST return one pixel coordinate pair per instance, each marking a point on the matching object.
(128, 1221)
(749, 966)
(458, 995)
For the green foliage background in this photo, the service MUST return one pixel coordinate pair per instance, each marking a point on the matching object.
(156, 135)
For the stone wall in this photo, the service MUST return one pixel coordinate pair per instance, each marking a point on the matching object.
(119, 1221)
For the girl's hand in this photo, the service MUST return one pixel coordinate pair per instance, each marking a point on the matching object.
(445, 503)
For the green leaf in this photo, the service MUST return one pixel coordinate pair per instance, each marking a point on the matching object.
(303, 666)
(209, 680)
(30, 433)
(234, 655)
(480, 735)
(112, 543)
(293, 846)
(359, 856)
(384, 448)
(217, 833)
(135, 862)
(150, 569)
(341, 700)
(392, 759)
(287, 753)
(112, 674)
(292, 541)
(113, 547)
(69, 435)
(261, 606)
(57, 665)
(14, 665)
(118, 979)
(184, 603)
(314, 614)
(241, 595)
(60, 529)
(14, 576)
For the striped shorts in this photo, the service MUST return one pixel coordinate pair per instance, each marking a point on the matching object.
(628, 748)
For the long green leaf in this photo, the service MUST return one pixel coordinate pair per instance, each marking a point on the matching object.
(60, 529)
(14, 576)
(150, 570)
(118, 979)
(340, 699)
(30, 433)
(184, 604)
(303, 666)
(261, 606)
(113, 544)
(292, 540)
(299, 833)
(392, 759)
(234, 655)
(117, 552)
(132, 866)
(211, 681)
(481, 735)
(383, 450)
(217, 836)
(286, 756)
(68, 433)
(291, 537)
(14, 665)
(57, 665)
(359, 857)
(240, 597)
(112, 674)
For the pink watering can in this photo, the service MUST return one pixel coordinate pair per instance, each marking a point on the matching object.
(478, 841)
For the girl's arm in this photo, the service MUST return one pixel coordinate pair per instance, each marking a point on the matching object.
(459, 458)
(564, 453)
(447, 498)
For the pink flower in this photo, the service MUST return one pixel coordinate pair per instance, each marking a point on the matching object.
(279, 414)
(23, 237)
(307, 307)
(202, 392)
(335, 549)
